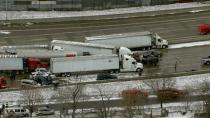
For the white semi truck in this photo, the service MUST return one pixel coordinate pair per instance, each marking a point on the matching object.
(133, 41)
(83, 64)
(81, 48)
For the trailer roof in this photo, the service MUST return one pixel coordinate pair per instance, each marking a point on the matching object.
(82, 58)
(82, 44)
(8, 56)
(43, 53)
(118, 35)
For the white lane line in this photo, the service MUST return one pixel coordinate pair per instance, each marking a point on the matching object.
(192, 44)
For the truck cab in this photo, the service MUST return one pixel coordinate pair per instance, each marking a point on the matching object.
(159, 41)
(32, 63)
(3, 82)
(130, 64)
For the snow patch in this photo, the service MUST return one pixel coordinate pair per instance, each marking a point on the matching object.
(191, 44)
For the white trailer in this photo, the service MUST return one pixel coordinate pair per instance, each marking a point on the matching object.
(135, 40)
(11, 62)
(44, 53)
(94, 63)
(84, 63)
(81, 48)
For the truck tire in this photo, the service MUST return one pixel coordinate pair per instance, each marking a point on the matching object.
(164, 46)
(139, 70)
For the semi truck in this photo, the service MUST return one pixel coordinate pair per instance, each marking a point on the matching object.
(13, 62)
(83, 64)
(84, 49)
(134, 41)
(81, 48)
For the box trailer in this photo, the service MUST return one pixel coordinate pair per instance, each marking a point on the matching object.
(81, 48)
(11, 62)
(84, 63)
(134, 40)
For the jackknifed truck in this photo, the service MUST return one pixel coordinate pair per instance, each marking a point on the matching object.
(134, 41)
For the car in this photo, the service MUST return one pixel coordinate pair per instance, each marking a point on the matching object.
(28, 83)
(205, 60)
(41, 70)
(204, 29)
(38, 73)
(150, 60)
(42, 111)
(105, 76)
(11, 51)
(155, 53)
(14, 112)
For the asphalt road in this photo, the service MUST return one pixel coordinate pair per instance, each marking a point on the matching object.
(176, 28)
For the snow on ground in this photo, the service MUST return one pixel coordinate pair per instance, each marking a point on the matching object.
(111, 89)
(52, 14)
(191, 44)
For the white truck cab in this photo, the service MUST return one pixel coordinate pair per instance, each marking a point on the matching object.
(160, 42)
(130, 64)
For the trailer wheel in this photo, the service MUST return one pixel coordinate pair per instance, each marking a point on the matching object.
(164, 46)
(139, 70)
(116, 71)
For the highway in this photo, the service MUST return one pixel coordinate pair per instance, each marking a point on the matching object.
(176, 28)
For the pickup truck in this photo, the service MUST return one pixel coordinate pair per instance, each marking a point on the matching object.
(205, 60)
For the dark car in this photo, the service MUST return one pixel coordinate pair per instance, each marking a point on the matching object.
(155, 53)
(105, 76)
(150, 60)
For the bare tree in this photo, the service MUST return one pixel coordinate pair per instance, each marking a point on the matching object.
(104, 110)
(187, 97)
(133, 100)
(71, 95)
(159, 84)
(31, 97)
(204, 91)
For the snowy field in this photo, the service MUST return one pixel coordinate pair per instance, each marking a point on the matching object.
(58, 14)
